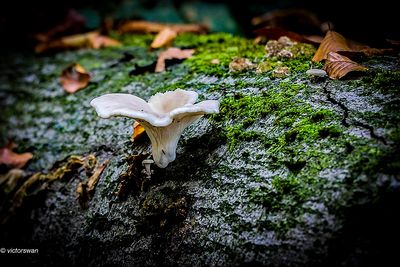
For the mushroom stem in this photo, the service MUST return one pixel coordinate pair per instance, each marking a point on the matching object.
(164, 140)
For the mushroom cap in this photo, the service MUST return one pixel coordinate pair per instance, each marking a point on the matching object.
(161, 109)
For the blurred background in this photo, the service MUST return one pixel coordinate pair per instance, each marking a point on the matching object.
(22, 20)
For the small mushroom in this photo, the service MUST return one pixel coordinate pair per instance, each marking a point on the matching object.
(165, 116)
(147, 166)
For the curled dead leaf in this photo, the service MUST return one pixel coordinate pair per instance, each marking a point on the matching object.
(86, 40)
(172, 53)
(333, 42)
(74, 78)
(98, 41)
(289, 18)
(164, 38)
(274, 33)
(73, 21)
(12, 159)
(10, 180)
(337, 66)
(141, 26)
(92, 181)
(138, 131)
(39, 182)
(84, 190)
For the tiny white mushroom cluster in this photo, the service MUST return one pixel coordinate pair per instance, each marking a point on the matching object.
(165, 116)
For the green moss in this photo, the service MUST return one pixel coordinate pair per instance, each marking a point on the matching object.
(222, 47)
(387, 81)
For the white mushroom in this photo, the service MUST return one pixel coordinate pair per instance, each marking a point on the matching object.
(165, 116)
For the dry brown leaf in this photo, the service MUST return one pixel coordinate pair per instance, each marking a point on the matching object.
(393, 42)
(74, 78)
(10, 180)
(85, 40)
(95, 176)
(172, 53)
(12, 159)
(338, 66)
(274, 33)
(333, 42)
(164, 38)
(141, 26)
(98, 41)
(73, 21)
(138, 131)
(40, 181)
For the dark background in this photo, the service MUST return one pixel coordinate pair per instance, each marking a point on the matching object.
(371, 23)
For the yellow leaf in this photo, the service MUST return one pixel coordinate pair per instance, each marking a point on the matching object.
(138, 131)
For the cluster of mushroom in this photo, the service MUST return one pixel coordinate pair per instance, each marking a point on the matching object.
(165, 116)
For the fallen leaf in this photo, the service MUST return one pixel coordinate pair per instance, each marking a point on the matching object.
(73, 21)
(138, 131)
(39, 182)
(393, 42)
(92, 181)
(154, 27)
(338, 66)
(10, 180)
(98, 41)
(74, 78)
(12, 159)
(172, 53)
(82, 195)
(85, 40)
(164, 38)
(274, 33)
(289, 18)
(333, 42)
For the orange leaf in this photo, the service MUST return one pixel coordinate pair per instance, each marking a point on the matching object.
(338, 66)
(154, 27)
(333, 42)
(138, 131)
(98, 41)
(171, 53)
(12, 159)
(76, 41)
(164, 38)
(74, 78)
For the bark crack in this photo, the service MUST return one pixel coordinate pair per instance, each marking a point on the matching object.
(345, 119)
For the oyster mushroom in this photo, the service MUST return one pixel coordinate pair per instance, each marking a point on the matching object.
(165, 116)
